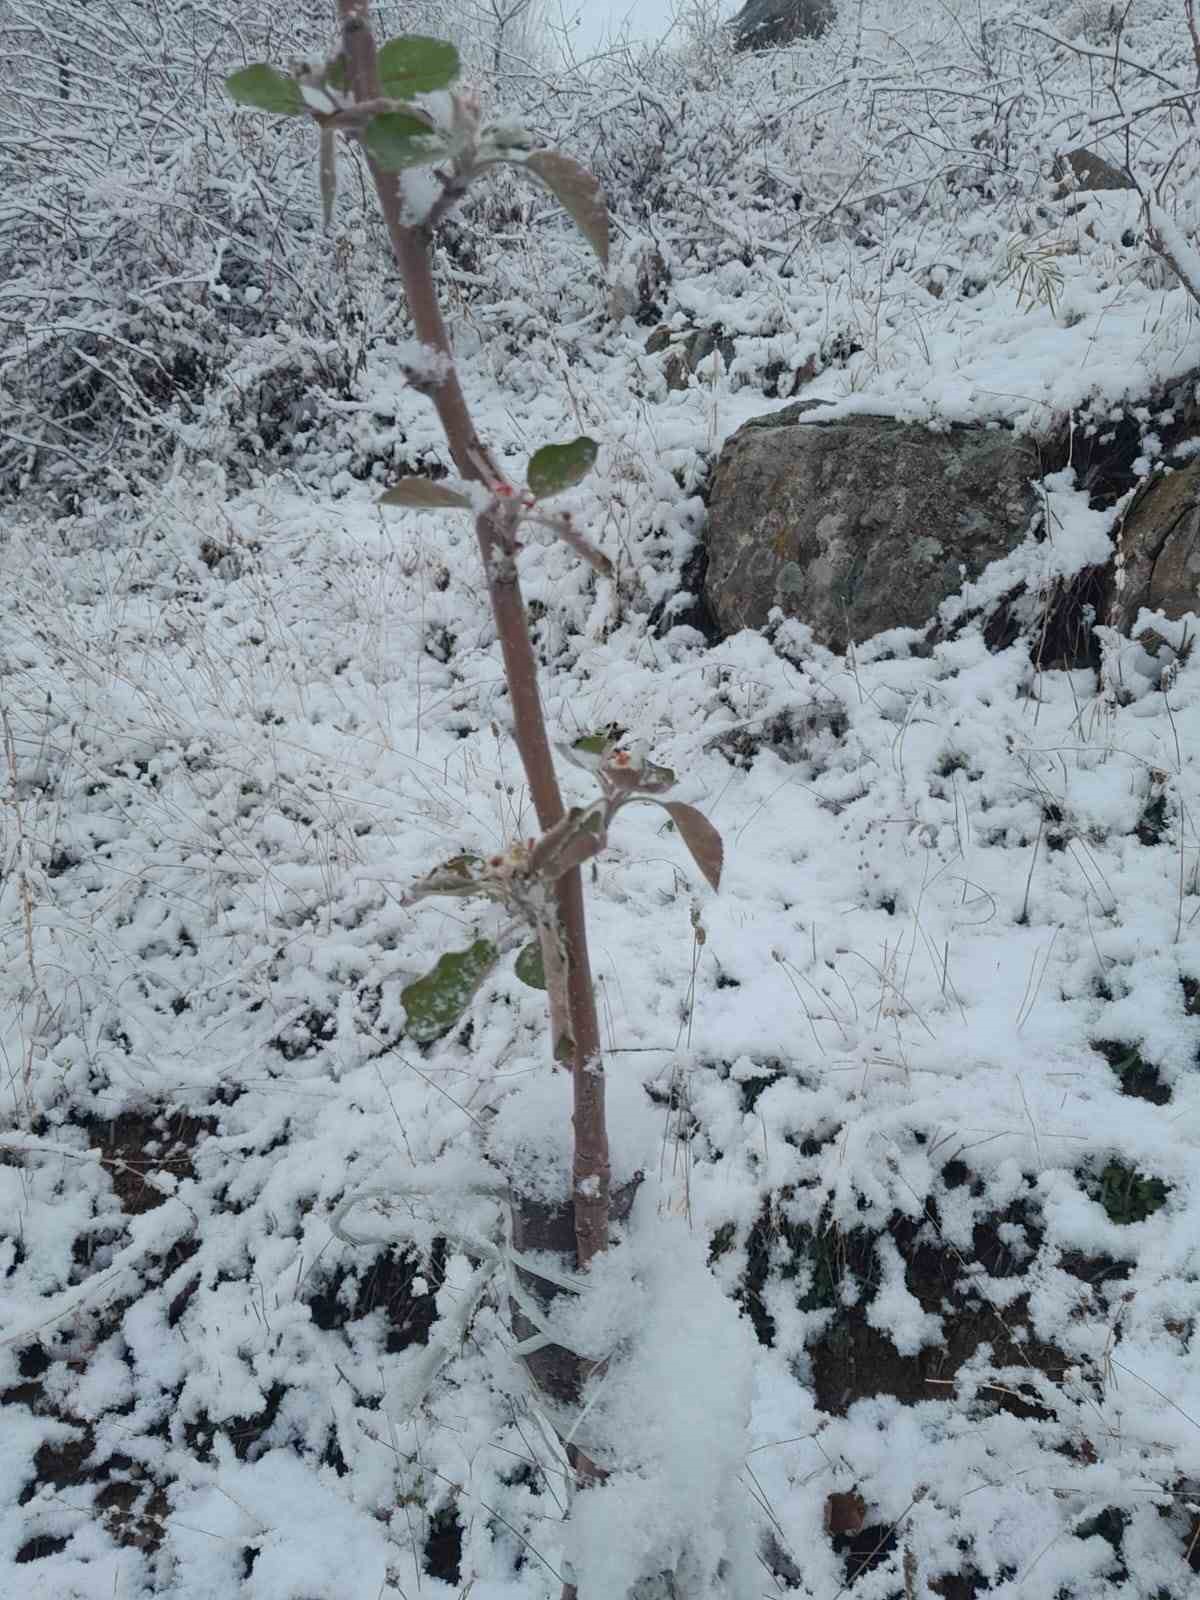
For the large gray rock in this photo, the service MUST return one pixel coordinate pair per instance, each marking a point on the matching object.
(1160, 546)
(766, 24)
(859, 524)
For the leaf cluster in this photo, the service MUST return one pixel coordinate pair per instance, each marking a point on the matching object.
(398, 133)
(521, 879)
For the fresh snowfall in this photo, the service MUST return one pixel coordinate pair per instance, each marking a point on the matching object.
(908, 1303)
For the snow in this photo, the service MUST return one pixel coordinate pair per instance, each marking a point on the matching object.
(244, 710)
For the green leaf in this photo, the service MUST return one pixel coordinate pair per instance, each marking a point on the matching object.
(435, 1002)
(426, 495)
(556, 467)
(577, 192)
(458, 876)
(265, 88)
(398, 139)
(529, 966)
(701, 838)
(416, 65)
(653, 779)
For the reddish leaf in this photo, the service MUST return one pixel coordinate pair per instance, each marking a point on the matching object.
(845, 1513)
(701, 838)
(577, 192)
(426, 494)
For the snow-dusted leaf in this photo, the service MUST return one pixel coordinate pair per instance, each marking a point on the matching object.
(425, 494)
(644, 778)
(506, 139)
(264, 88)
(556, 467)
(415, 64)
(529, 967)
(577, 191)
(398, 139)
(459, 876)
(701, 838)
(653, 779)
(434, 1003)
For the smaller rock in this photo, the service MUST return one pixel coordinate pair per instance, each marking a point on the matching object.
(767, 24)
(1084, 169)
(1160, 543)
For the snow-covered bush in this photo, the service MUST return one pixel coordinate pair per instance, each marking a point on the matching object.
(174, 298)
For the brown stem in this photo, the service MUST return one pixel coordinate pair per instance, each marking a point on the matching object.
(411, 247)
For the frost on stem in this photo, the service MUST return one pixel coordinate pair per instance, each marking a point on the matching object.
(502, 568)
(424, 366)
(420, 191)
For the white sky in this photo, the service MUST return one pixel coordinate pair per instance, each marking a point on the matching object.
(593, 20)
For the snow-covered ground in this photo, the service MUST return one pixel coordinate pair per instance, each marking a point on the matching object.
(940, 1025)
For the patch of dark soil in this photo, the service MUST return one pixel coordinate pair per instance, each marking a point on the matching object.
(1095, 1270)
(134, 1511)
(138, 1146)
(178, 1254)
(31, 1365)
(1103, 452)
(964, 1585)
(305, 1036)
(791, 735)
(816, 1259)
(688, 608)
(131, 1505)
(1064, 637)
(750, 1090)
(1138, 1076)
(865, 1550)
(852, 1360)
(388, 1281)
(1152, 824)
(1001, 628)
(443, 1546)
(39, 1548)
(243, 1433)
(1108, 1525)
(1059, 627)
(62, 1464)
(332, 1455)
